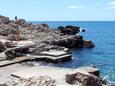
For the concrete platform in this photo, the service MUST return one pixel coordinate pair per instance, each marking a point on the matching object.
(52, 56)
(54, 53)
(55, 72)
(16, 60)
(48, 56)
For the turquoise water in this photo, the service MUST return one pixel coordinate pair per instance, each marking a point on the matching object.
(103, 55)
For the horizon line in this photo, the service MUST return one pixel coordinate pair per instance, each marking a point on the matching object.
(70, 20)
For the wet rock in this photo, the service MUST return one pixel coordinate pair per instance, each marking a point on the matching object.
(2, 47)
(89, 44)
(83, 30)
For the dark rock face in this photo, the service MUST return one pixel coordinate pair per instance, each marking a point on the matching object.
(72, 42)
(69, 30)
(2, 47)
(84, 80)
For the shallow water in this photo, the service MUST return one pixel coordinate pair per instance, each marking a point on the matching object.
(103, 55)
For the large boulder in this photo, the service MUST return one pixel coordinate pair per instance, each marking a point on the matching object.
(84, 79)
(11, 54)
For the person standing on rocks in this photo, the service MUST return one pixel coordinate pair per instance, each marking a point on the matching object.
(16, 18)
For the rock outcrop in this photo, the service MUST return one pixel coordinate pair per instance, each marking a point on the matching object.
(69, 30)
(84, 79)
(89, 44)
(42, 35)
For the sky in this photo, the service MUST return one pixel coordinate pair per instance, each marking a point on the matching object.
(59, 10)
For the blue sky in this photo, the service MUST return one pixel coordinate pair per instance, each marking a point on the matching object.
(59, 10)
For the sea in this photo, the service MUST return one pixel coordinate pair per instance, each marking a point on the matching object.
(102, 33)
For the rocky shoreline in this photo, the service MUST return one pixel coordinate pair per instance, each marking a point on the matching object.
(43, 37)
(18, 39)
